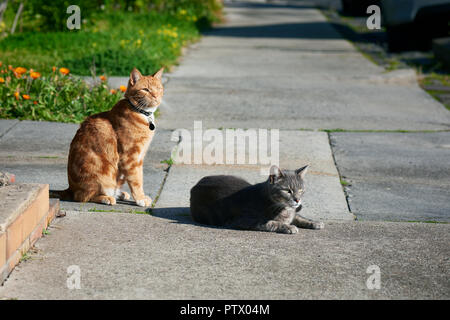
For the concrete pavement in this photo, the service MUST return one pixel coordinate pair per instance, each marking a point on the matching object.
(286, 67)
(278, 67)
(37, 153)
(324, 197)
(6, 125)
(127, 256)
(395, 176)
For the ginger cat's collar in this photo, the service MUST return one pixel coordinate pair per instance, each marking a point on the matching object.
(148, 114)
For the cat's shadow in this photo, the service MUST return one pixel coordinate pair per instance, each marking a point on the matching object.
(181, 215)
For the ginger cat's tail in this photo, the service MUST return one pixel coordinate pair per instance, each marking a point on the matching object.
(66, 195)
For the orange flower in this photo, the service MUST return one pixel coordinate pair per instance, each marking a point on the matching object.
(17, 95)
(54, 69)
(1, 63)
(10, 67)
(112, 91)
(20, 70)
(123, 88)
(64, 71)
(35, 102)
(103, 78)
(26, 97)
(2, 80)
(35, 75)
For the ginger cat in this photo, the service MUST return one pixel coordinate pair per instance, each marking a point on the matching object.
(109, 148)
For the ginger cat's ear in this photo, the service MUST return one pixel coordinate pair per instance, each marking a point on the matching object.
(158, 74)
(135, 76)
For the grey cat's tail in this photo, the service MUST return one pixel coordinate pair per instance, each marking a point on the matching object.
(66, 195)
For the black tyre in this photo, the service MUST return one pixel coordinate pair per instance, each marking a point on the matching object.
(402, 37)
(415, 36)
(357, 8)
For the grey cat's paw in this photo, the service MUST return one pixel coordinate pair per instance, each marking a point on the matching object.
(318, 225)
(288, 229)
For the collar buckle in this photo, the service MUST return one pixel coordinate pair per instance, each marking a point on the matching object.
(148, 114)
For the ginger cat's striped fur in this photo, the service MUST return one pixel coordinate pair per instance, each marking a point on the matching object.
(109, 148)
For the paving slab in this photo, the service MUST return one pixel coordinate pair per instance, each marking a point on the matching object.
(36, 152)
(305, 147)
(38, 139)
(395, 176)
(48, 141)
(286, 67)
(6, 125)
(55, 174)
(323, 200)
(129, 256)
(355, 106)
(292, 149)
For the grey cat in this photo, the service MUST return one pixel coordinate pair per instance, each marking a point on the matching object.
(272, 205)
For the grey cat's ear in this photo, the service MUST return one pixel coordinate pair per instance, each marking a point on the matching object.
(275, 174)
(135, 76)
(302, 171)
(158, 74)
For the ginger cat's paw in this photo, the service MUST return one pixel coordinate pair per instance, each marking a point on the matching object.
(124, 196)
(110, 200)
(105, 200)
(146, 202)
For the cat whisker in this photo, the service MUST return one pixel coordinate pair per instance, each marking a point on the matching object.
(143, 103)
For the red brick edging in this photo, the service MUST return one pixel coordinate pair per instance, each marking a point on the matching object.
(25, 230)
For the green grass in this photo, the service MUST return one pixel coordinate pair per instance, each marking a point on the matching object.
(436, 79)
(153, 204)
(344, 182)
(101, 210)
(25, 257)
(114, 43)
(111, 43)
(169, 161)
(435, 94)
(433, 78)
(139, 212)
(133, 211)
(392, 64)
(333, 130)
